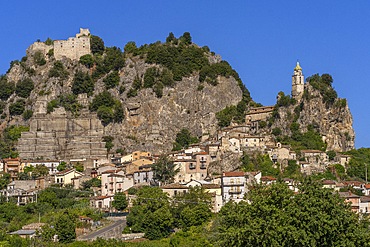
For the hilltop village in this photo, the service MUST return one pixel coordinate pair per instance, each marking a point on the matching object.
(58, 151)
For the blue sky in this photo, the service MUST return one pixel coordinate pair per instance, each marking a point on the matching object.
(261, 39)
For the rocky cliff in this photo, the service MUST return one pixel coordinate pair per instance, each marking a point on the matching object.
(150, 122)
(142, 97)
(331, 118)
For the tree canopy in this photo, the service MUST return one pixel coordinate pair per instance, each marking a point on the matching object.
(278, 217)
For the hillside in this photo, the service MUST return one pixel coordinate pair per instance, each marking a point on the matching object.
(80, 98)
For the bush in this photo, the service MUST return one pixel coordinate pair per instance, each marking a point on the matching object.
(96, 45)
(58, 70)
(27, 114)
(131, 93)
(102, 99)
(82, 83)
(276, 131)
(24, 88)
(111, 80)
(17, 108)
(39, 59)
(87, 60)
(6, 88)
(324, 85)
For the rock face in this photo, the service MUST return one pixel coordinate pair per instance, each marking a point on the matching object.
(334, 122)
(150, 123)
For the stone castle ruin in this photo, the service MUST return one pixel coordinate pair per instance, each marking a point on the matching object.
(73, 47)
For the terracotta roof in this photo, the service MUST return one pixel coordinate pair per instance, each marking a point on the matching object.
(64, 172)
(174, 186)
(311, 151)
(234, 174)
(352, 183)
(211, 186)
(328, 182)
(365, 198)
(348, 194)
(201, 153)
(109, 171)
(101, 197)
(268, 178)
(367, 186)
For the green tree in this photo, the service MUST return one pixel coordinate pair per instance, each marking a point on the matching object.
(171, 38)
(359, 162)
(17, 108)
(108, 142)
(58, 70)
(225, 116)
(39, 59)
(276, 216)
(119, 201)
(111, 80)
(184, 139)
(192, 208)
(4, 181)
(24, 88)
(186, 38)
(164, 170)
(6, 88)
(151, 213)
(94, 182)
(96, 45)
(40, 170)
(130, 47)
(62, 166)
(105, 114)
(82, 83)
(27, 114)
(65, 227)
(87, 60)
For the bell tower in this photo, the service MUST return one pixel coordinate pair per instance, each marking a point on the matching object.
(297, 82)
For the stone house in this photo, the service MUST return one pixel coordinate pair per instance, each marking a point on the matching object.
(77, 182)
(233, 186)
(143, 175)
(342, 159)
(365, 204)
(102, 202)
(114, 181)
(65, 177)
(192, 168)
(353, 199)
(315, 157)
(281, 153)
(12, 166)
(174, 189)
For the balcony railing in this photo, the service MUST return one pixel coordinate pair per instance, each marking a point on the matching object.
(235, 191)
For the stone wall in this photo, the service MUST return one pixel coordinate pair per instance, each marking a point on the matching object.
(74, 47)
(59, 136)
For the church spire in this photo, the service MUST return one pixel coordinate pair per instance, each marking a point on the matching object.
(297, 67)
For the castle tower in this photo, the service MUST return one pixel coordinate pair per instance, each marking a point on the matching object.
(297, 82)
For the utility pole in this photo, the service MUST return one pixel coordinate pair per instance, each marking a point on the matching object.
(366, 172)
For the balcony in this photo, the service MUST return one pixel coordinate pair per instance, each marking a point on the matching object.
(192, 166)
(235, 191)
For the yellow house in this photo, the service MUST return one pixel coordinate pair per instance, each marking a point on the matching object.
(134, 166)
(65, 177)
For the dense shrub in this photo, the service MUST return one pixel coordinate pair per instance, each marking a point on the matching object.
(39, 59)
(111, 80)
(58, 70)
(27, 114)
(87, 60)
(24, 88)
(96, 45)
(17, 108)
(6, 88)
(323, 84)
(82, 83)
(108, 109)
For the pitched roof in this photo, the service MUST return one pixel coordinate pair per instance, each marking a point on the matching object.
(174, 186)
(234, 174)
